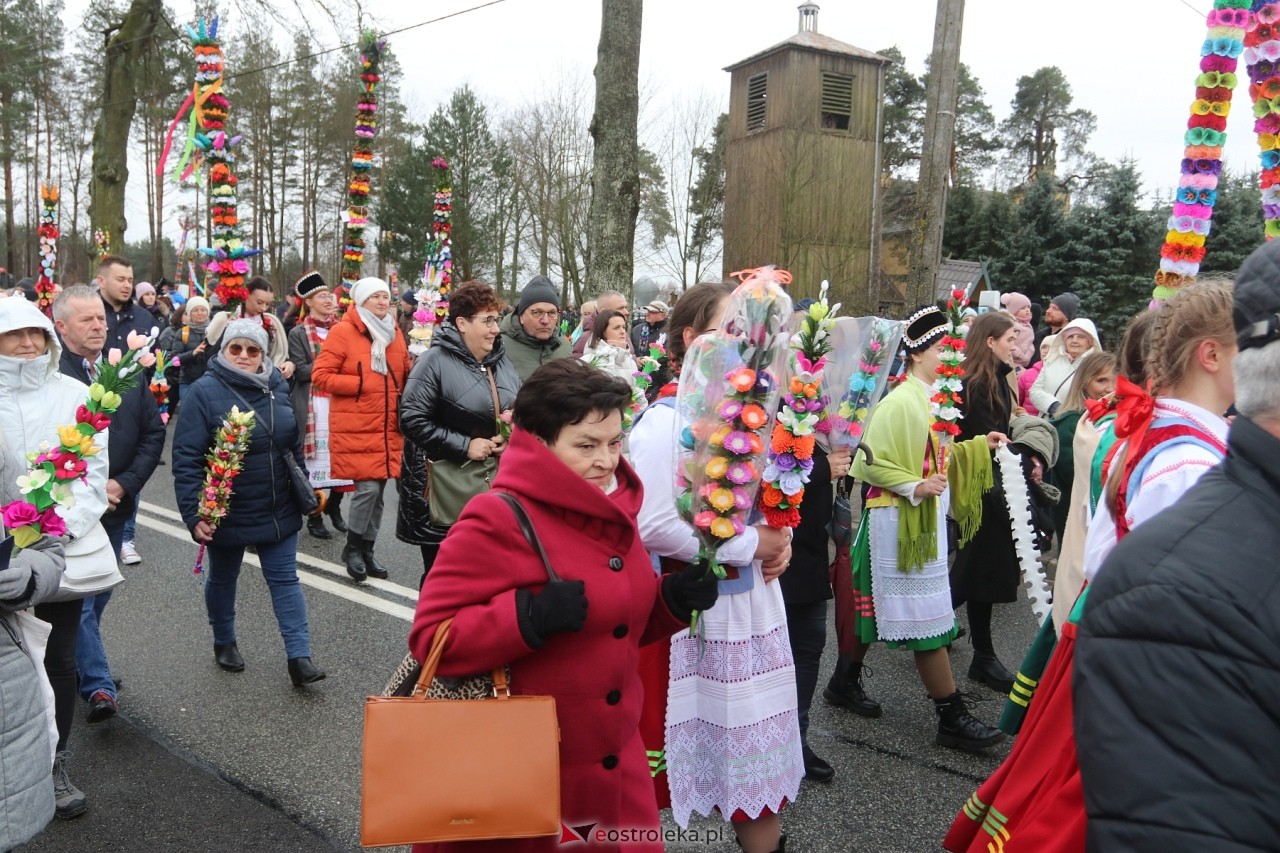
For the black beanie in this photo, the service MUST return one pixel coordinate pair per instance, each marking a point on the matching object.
(1069, 304)
(539, 289)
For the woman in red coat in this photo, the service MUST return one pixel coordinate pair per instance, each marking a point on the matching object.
(578, 639)
(363, 367)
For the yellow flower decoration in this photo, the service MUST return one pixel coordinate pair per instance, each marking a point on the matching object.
(722, 528)
(69, 436)
(721, 500)
(717, 468)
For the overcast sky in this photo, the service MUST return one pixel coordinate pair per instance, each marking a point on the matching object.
(1133, 63)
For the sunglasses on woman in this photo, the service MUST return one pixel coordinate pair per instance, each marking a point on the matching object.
(236, 349)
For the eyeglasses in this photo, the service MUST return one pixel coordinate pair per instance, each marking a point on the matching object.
(539, 314)
(236, 349)
(490, 322)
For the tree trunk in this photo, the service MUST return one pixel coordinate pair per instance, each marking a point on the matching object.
(120, 68)
(615, 176)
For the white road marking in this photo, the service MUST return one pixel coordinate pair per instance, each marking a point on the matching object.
(305, 559)
(341, 590)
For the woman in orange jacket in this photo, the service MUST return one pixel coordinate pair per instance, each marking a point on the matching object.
(363, 367)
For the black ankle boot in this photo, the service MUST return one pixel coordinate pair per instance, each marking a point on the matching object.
(228, 657)
(987, 669)
(303, 671)
(815, 768)
(315, 526)
(371, 565)
(353, 556)
(958, 729)
(333, 509)
(845, 689)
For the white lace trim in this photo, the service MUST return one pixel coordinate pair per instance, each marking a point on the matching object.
(733, 734)
(909, 605)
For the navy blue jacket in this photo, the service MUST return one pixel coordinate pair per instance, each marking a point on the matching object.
(262, 509)
(131, 318)
(135, 439)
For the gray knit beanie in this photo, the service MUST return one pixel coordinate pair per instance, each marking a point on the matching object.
(249, 330)
(539, 289)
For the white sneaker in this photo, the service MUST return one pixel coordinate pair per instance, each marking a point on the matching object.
(129, 554)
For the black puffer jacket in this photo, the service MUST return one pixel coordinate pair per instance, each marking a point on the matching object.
(262, 508)
(1177, 670)
(446, 403)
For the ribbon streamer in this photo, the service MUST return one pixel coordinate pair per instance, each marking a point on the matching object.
(1018, 499)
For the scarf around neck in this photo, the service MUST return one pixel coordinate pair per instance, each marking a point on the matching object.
(383, 332)
(261, 379)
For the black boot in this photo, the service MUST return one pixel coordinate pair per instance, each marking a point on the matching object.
(315, 526)
(303, 671)
(353, 556)
(845, 689)
(228, 657)
(987, 669)
(958, 729)
(371, 565)
(815, 768)
(333, 509)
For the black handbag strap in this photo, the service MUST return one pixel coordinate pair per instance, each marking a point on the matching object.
(530, 535)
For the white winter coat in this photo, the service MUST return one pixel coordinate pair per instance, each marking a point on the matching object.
(615, 361)
(35, 399)
(1059, 369)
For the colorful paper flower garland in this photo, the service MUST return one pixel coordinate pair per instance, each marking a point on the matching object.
(356, 217)
(946, 401)
(48, 234)
(227, 263)
(437, 275)
(789, 460)
(1183, 248)
(102, 240)
(223, 463)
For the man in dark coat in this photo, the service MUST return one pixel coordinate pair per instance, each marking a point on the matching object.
(135, 441)
(124, 315)
(1177, 677)
(531, 333)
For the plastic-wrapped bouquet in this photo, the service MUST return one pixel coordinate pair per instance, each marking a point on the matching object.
(857, 371)
(728, 386)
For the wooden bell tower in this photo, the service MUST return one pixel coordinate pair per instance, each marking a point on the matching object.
(803, 162)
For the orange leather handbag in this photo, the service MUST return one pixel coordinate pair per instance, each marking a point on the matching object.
(459, 770)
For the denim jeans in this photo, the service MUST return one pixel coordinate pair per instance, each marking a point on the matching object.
(280, 570)
(130, 526)
(91, 654)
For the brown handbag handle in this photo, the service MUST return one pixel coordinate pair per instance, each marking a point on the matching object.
(501, 689)
(493, 387)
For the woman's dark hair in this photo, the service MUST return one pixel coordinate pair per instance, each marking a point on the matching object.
(695, 309)
(981, 367)
(601, 324)
(259, 283)
(564, 392)
(175, 319)
(472, 297)
(1134, 346)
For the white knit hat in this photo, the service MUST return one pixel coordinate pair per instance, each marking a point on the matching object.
(366, 287)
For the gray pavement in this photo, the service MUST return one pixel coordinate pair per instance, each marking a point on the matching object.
(206, 760)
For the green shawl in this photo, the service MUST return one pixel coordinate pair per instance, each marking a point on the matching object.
(897, 439)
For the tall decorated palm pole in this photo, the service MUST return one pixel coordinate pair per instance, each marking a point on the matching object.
(48, 233)
(356, 216)
(226, 263)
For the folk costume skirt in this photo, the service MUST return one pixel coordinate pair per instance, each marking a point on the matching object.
(904, 610)
(1034, 801)
(733, 731)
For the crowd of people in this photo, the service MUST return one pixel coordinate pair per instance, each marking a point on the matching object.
(521, 402)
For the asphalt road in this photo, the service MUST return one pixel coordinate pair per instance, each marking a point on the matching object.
(203, 760)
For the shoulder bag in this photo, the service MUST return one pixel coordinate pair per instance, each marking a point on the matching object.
(442, 770)
(304, 494)
(451, 484)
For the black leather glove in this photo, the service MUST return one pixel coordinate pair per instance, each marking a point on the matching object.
(693, 589)
(561, 606)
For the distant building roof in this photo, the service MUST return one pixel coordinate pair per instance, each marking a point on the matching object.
(809, 40)
(959, 275)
